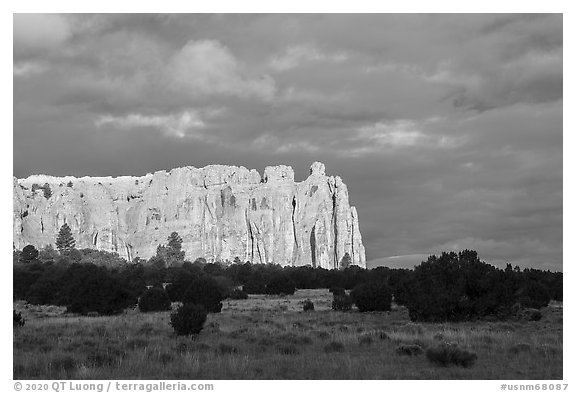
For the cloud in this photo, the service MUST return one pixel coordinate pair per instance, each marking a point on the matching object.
(534, 77)
(178, 125)
(401, 133)
(40, 31)
(275, 144)
(208, 67)
(398, 133)
(25, 69)
(298, 55)
(303, 95)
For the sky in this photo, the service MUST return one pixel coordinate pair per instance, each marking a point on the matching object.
(447, 129)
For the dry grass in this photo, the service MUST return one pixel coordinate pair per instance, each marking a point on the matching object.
(268, 337)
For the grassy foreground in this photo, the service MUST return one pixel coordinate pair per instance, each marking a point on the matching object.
(267, 337)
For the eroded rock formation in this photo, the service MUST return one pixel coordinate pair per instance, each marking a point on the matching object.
(219, 211)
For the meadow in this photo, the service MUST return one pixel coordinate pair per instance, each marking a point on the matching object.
(270, 337)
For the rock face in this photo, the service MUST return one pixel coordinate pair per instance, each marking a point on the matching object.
(221, 212)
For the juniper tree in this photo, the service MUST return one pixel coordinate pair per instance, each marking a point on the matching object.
(172, 253)
(65, 241)
(346, 261)
(175, 242)
(28, 254)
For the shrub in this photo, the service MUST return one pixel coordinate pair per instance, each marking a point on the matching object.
(534, 295)
(447, 355)
(308, 305)
(530, 314)
(28, 254)
(63, 362)
(280, 284)
(188, 319)
(238, 294)
(288, 349)
(372, 296)
(206, 292)
(105, 356)
(519, 348)
(226, 349)
(24, 277)
(19, 321)
(365, 339)
(225, 285)
(154, 299)
(409, 350)
(91, 288)
(47, 191)
(43, 291)
(520, 313)
(181, 281)
(337, 291)
(379, 334)
(334, 346)
(457, 287)
(342, 303)
(254, 287)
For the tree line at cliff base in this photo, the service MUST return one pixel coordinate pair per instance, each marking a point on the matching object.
(447, 287)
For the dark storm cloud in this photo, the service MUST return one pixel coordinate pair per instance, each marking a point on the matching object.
(446, 128)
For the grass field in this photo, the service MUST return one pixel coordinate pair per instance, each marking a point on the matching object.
(267, 337)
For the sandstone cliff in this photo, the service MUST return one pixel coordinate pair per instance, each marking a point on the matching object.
(219, 211)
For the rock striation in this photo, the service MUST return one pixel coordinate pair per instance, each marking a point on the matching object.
(221, 212)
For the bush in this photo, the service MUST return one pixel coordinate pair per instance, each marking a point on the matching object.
(280, 284)
(225, 349)
(254, 288)
(288, 349)
(342, 303)
(365, 339)
(334, 346)
(238, 294)
(29, 254)
(534, 295)
(379, 334)
(447, 355)
(308, 305)
(46, 289)
(19, 321)
(337, 291)
(372, 296)
(23, 279)
(47, 191)
(519, 348)
(409, 350)
(180, 283)
(154, 299)
(206, 292)
(43, 291)
(188, 319)
(89, 288)
(225, 285)
(526, 314)
(458, 287)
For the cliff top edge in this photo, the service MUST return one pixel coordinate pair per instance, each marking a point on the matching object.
(271, 173)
